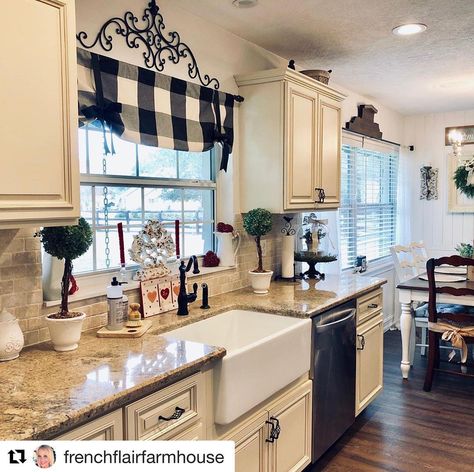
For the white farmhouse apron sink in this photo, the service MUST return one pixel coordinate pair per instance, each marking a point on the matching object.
(264, 354)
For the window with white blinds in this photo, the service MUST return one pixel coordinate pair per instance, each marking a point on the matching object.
(368, 211)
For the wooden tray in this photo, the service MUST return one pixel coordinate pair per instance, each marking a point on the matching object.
(125, 332)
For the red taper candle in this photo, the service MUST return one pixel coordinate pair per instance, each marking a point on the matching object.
(122, 250)
(176, 237)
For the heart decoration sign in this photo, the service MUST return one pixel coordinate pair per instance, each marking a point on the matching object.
(159, 294)
(152, 295)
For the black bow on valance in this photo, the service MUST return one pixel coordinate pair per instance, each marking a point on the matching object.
(150, 108)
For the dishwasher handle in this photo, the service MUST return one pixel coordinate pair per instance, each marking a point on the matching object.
(339, 318)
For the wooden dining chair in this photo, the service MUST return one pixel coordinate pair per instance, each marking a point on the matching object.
(458, 328)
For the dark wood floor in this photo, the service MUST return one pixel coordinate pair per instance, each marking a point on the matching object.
(407, 429)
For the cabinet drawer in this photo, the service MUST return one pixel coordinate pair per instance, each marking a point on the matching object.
(152, 416)
(369, 305)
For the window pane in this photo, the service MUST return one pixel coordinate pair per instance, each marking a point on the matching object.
(135, 203)
(367, 216)
(156, 162)
(198, 207)
(198, 238)
(198, 204)
(123, 162)
(124, 204)
(195, 165)
(86, 202)
(163, 204)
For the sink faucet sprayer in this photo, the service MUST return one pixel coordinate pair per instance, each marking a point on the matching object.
(184, 298)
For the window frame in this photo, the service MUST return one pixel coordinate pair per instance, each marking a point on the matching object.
(371, 144)
(144, 183)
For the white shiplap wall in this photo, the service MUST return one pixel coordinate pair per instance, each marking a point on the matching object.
(430, 220)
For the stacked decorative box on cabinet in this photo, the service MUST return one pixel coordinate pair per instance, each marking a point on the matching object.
(290, 142)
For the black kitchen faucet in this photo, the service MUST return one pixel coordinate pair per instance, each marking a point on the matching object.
(183, 297)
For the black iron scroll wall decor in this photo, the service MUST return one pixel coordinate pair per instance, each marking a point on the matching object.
(149, 34)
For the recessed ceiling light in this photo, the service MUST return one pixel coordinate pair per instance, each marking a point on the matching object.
(244, 3)
(410, 28)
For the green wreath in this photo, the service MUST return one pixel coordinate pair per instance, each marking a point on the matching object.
(460, 179)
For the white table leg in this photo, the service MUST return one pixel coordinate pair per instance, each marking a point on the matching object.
(405, 328)
(412, 341)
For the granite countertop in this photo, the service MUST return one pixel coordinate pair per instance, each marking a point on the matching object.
(45, 393)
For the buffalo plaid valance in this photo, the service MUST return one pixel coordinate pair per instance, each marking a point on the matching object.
(150, 108)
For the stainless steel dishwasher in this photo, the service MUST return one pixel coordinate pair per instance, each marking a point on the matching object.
(333, 372)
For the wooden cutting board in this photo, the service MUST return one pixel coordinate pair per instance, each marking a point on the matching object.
(125, 332)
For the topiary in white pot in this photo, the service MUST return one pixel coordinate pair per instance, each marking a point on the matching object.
(257, 223)
(68, 243)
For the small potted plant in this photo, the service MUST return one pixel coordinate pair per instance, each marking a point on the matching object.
(68, 243)
(257, 223)
(467, 250)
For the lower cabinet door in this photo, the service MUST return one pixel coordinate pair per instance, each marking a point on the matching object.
(369, 364)
(250, 446)
(106, 428)
(291, 451)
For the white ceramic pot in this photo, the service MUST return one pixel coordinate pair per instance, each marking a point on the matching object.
(11, 337)
(65, 333)
(260, 281)
(227, 247)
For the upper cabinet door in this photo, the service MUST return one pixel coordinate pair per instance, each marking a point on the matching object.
(300, 147)
(289, 142)
(329, 162)
(39, 180)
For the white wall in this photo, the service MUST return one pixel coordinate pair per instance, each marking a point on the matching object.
(430, 220)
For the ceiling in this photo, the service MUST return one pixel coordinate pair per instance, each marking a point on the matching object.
(429, 72)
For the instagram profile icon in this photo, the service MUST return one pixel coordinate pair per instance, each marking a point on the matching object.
(44, 457)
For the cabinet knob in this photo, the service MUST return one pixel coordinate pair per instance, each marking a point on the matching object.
(178, 412)
(373, 305)
(320, 195)
(361, 339)
(275, 431)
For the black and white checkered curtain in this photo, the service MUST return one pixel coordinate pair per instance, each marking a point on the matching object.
(153, 109)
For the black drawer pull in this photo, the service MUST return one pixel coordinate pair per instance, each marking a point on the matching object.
(275, 431)
(362, 342)
(321, 195)
(177, 414)
(373, 305)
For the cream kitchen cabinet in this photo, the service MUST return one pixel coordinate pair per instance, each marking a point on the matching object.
(174, 412)
(290, 142)
(277, 437)
(39, 182)
(106, 428)
(369, 359)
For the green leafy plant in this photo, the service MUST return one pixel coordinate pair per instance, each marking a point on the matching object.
(68, 243)
(461, 178)
(465, 250)
(257, 223)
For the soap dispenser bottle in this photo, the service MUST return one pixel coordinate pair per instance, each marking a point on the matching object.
(115, 306)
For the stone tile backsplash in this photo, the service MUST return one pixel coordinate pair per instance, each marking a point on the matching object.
(20, 278)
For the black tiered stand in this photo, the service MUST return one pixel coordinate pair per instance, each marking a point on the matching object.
(313, 258)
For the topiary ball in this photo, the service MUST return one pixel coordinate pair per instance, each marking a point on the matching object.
(67, 242)
(258, 222)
